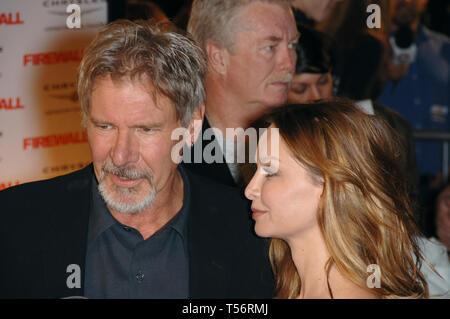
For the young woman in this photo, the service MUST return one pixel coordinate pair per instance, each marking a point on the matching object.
(335, 203)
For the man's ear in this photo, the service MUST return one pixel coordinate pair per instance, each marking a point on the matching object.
(217, 57)
(195, 126)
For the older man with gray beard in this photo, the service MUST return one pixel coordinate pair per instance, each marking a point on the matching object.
(134, 224)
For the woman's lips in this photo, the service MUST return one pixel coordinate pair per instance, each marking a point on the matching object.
(257, 213)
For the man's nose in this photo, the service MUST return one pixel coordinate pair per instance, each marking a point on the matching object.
(288, 58)
(126, 149)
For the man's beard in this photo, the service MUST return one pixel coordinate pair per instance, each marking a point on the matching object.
(125, 207)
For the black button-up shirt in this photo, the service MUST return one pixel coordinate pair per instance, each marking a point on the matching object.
(121, 264)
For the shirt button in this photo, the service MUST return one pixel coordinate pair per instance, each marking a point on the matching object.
(140, 276)
(417, 101)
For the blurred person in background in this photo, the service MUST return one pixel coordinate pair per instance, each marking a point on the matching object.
(250, 47)
(418, 87)
(313, 78)
(418, 75)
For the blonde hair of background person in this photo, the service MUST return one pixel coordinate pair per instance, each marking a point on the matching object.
(214, 20)
(364, 213)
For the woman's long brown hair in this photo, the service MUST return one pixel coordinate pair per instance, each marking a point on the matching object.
(365, 215)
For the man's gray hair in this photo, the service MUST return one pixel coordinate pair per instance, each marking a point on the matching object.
(170, 61)
(214, 20)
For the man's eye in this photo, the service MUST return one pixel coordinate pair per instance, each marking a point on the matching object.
(292, 45)
(103, 126)
(147, 130)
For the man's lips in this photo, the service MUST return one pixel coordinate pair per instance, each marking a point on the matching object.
(125, 183)
(257, 212)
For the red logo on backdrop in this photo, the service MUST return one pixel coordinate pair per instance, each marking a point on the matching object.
(9, 18)
(55, 140)
(53, 57)
(11, 104)
(4, 185)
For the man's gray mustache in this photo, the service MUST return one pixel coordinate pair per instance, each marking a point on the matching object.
(287, 78)
(125, 172)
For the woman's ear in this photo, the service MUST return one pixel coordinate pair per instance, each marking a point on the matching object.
(217, 57)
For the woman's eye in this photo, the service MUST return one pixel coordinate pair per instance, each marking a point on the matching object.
(323, 81)
(299, 89)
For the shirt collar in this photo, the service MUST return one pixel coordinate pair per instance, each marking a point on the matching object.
(100, 218)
